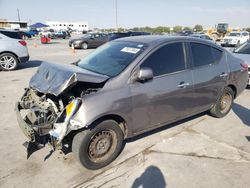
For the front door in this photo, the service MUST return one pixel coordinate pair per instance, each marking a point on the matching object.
(169, 95)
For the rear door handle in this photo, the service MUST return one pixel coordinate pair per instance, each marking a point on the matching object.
(223, 74)
(183, 84)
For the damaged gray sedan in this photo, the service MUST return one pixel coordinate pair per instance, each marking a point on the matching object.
(124, 88)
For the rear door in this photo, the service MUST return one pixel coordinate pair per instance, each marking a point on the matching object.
(210, 73)
(169, 95)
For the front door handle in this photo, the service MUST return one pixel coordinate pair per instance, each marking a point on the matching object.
(224, 74)
(183, 84)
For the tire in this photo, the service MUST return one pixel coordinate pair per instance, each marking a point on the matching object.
(84, 45)
(223, 104)
(89, 149)
(8, 62)
(238, 44)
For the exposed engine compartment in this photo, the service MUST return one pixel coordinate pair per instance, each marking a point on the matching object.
(42, 111)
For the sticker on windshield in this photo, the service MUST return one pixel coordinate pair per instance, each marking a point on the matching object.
(130, 50)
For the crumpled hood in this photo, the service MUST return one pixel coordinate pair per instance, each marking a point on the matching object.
(244, 57)
(55, 78)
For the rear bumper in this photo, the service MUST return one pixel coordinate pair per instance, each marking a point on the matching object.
(24, 59)
(25, 127)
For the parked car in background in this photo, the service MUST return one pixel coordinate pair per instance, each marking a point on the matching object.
(235, 38)
(48, 33)
(113, 36)
(243, 52)
(33, 32)
(90, 40)
(124, 88)
(13, 50)
(24, 35)
(201, 36)
(62, 34)
(184, 33)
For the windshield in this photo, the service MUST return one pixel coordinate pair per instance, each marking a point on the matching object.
(112, 58)
(243, 49)
(86, 35)
(234, 34)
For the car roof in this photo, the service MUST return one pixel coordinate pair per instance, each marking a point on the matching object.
(156, 39)
(9, 30)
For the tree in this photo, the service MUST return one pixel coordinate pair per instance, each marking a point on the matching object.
(161, 29)
(198, 28)
(248, 29)
(187, 29)
(177, 28)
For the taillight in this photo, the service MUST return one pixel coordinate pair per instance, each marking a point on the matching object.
(244, 66)
(22, 42)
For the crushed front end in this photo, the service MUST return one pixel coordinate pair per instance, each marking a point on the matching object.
(49, 109)
(44, 118)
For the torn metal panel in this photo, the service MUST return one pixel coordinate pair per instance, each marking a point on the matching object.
(48, 80)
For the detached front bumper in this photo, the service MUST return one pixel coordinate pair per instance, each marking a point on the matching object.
(26, 128)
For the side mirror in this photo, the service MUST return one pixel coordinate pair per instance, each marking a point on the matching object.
(144, 75)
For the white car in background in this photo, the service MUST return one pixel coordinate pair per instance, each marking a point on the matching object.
(13, 50)
(243, 52)
(235, 39)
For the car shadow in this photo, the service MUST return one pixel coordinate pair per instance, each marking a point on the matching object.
(29, 64)
(243, 113)
(164, 127)
(151, 177)
(51, 42)
(248, 138)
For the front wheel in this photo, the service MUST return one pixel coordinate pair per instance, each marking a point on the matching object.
(223, 104)
(84, 46)
(98, 147)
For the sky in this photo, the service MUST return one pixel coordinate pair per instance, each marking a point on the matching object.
(131, 13)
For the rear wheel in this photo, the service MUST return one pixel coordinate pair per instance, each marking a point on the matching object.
(99, 146)
(223, 104)
(8, 62)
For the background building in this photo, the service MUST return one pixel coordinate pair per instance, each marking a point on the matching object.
(13, 24)
(77, 26)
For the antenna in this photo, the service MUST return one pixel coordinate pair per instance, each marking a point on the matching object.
(116, 21)
(18, 14)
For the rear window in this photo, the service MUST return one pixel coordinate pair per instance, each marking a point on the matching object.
(204, 54)
(11, 34)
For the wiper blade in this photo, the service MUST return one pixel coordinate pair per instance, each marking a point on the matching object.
(76, 62)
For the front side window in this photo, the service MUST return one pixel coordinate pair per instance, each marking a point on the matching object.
(204, 54)
(112, 58)
(167, 59)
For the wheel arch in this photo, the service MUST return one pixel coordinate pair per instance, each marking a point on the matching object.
(234, 89)
(117, 118)
(9, 52)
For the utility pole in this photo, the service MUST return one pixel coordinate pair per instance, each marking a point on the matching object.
(18, 14)
(116, 21)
